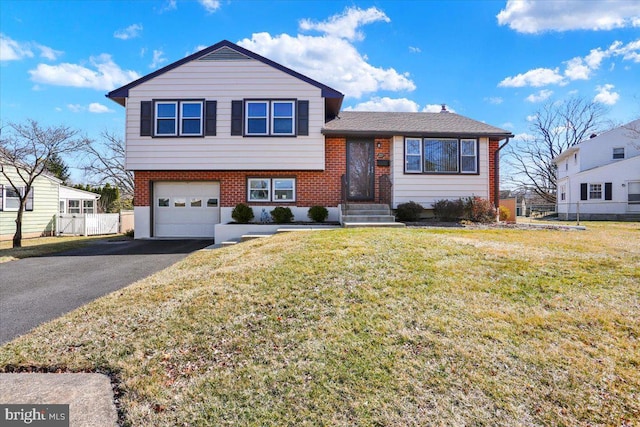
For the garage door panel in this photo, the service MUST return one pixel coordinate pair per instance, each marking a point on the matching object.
(186, 209)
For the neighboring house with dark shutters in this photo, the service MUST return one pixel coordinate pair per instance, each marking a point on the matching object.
(600, 178)
(39, 217)
(225, 126)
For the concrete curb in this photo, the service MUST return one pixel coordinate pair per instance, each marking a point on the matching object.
(89, 396)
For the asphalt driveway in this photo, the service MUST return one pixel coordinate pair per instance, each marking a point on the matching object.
(35, 290)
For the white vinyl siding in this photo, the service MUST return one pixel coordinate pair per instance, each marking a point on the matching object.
(429, 188)
(225, 81)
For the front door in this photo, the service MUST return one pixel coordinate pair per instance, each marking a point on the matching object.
(360, 170)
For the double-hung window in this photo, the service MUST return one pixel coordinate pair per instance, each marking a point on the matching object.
(595, 191)
(441, 155)
(618, 153)
(271, 189)
(270, 117)
(10, 198)
(178, 118)
(190, 118)
(166, 118)
(257, 121)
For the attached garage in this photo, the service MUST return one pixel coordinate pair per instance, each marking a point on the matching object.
(186, 209)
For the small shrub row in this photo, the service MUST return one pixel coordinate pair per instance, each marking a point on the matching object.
(475, 209)
(243, 214)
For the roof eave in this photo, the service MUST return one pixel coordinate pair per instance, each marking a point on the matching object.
(338, 132)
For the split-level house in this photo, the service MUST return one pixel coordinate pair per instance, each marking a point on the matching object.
(226, 126)
(599, 179)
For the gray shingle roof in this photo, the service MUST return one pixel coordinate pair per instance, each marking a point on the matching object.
(408, 124)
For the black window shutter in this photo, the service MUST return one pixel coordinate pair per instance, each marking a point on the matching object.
(1, 195)
(210, 118)
(236, 117)
(583, 191)
(607, 190)
(303, 118)
(146, 118)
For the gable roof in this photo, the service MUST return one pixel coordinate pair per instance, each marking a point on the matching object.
(410, 124)
(225, 50)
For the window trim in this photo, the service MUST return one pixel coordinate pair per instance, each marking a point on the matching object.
(459, 170)
(178, 128)
(270, 118)
(265, 118)
(28, 207)
(613, 153)
(271, 189)
(475, 156)
(589, 191)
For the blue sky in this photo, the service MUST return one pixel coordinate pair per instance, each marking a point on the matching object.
(493, 61)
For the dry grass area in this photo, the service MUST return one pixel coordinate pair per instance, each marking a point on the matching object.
(371, 327)
(41, 246)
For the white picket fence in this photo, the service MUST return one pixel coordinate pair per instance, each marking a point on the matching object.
(88, 224)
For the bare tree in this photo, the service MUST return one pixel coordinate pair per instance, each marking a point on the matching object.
(107, 163)
(26, 149)
(556, 127)
(633, 132)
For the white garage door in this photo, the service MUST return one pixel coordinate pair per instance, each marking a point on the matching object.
(186, 209)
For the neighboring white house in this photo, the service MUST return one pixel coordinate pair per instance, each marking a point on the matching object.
(39, 218)
(76, 201)
(599, 179)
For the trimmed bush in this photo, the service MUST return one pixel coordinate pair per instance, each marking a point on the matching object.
(477, 209)
(409, 212)
(318, 213)
(505, 213)
(448, 210)
(281, 215)
(242, 213)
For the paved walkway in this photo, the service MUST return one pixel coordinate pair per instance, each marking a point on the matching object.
(89, 396)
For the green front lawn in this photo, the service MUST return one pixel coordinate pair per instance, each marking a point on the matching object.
(371, 327)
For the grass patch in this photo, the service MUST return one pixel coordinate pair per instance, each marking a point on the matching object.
(42, 246)
(393, 327)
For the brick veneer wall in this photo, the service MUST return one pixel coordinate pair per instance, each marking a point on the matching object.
(493, 170)
(312, 187)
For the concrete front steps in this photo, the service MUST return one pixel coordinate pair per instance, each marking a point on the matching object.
(368, 215)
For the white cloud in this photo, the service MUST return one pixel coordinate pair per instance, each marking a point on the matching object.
(158, 59)
(536, 78)
(98, 108)
(414, 49)
(131, 32)
(531, 16)
(346, 25)
(105, 75)
(314, 55)
(386, 104)
(168, 6)
(76, 108)
(531, 118)
(507, 125)
(210, 5)
(542, 95)
(577, 68)
(496, 100)
(11, 50)
(605, 95)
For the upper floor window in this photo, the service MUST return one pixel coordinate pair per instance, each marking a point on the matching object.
(272, 117)
(618, 153)
(187, 118)
(441, 155)
(166, 118)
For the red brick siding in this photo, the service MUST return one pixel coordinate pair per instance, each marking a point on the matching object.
(312, 187)
(493, 171)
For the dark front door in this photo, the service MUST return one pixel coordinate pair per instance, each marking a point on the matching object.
(360, 170)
